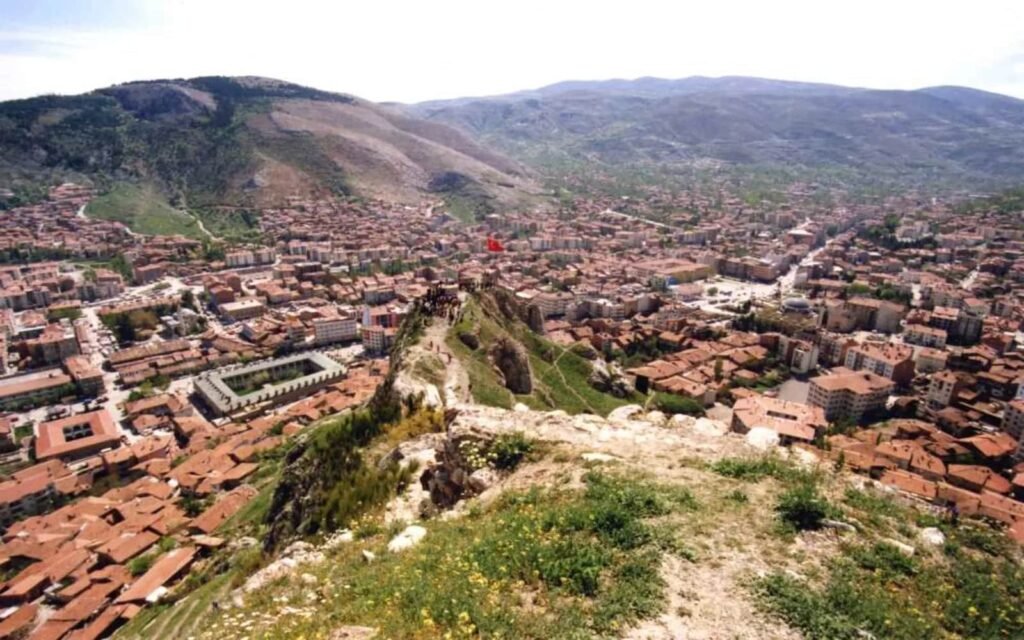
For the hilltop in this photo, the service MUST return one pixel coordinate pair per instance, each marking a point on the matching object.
(427, 514)
(630, 526)
(219, 141)
(937, 135)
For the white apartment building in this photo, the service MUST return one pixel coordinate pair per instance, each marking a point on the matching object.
(336, 329)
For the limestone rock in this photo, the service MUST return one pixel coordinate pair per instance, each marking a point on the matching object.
(626, 412)
(338, 538)
(902, 547)
(709, 427)
(296, 554)
(369, 556)
(608, 378)
(409, 538)
(839, 526)
(512, 360)
(482, 479)
(682, 421)
(656, 418)
(447, 477)
(762, 438)
(932, 536)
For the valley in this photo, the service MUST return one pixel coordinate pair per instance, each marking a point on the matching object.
(709, 358)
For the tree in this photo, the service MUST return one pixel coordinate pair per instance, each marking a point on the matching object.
(123, 329)
(119, 264)
(142, 319)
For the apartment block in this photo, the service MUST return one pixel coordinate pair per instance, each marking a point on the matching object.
(845, 393)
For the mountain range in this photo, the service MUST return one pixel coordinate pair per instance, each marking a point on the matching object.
(251, 142)
(936, 135)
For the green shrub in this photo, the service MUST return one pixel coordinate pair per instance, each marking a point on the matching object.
(803, 508)
(737, 496)
(885, 558)
(673, 405)
(978, 536)
(508, 450)
(755, 469)
(140, 564)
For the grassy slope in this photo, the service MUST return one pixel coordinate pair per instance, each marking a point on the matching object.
(568, 562)
(559, 375)
(238, 226)
(971, 587)
(144, 211)
(539, 564)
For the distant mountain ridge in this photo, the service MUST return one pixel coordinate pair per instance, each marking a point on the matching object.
(929, 135)
(245, 141)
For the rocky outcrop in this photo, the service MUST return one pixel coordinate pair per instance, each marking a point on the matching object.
(609, 379)
(407, 539)
(471, 340)
(456, 472)
(512, 361)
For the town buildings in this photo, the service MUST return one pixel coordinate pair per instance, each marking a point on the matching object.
(850, 395)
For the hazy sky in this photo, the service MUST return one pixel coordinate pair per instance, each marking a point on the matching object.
(425, 49)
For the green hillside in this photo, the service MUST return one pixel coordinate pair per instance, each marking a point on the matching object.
(144, 210)
(560, 375)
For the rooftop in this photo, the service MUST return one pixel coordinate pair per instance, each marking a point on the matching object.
(82, 433)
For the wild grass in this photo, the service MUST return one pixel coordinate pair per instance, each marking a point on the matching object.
(144, 211)
(429, 368)
(875, 589)
(560, 376)
(755, 469)
(535, 564)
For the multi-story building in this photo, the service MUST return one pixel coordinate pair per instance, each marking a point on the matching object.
(862, 314)
(942, 390)
(849, 394)
(53, 345)
(1013, 419)
(800, 355)
(552, 303)
(925, 336)
(77, 436)
(962, 325)
(892, 361)
(929, 360)
(793, 421)
(25, 495)
(378, 339)
(242, 309)
(334, 329)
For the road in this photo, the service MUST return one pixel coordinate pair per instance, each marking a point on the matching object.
(730, 291)
(202, 227)
(81, 214)
(655, 223)
(968, 281)
(100, 341)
